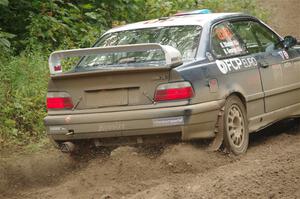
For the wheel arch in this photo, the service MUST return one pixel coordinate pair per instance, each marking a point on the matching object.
(219, 138)
(240, 96)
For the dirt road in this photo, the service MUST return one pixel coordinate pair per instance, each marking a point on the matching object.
(270, 169)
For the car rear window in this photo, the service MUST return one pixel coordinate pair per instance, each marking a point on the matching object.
(183, 38)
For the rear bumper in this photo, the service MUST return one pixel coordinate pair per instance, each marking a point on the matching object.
(192, 121)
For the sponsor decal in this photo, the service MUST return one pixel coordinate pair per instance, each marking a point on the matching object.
(169, 121)
(112, 126)
(209, 56)
(57, 68)
(284, 55)
(235, 64)
(231, 47)
(57, 128)
(223, 33)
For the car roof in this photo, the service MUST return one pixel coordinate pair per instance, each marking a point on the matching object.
(194, 19)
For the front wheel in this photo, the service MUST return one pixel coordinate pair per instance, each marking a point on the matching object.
(236, 136)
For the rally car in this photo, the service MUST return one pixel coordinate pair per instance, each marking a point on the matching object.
(194, 75)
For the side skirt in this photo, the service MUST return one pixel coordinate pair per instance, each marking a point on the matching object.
(259, 122)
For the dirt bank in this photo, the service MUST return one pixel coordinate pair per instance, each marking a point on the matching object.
(270, 169)
(285, 16)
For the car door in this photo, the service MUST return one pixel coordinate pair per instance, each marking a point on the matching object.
(278, 74)
(238, 66)
(291, 74)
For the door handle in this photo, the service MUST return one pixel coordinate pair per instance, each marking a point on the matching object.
(264, 65)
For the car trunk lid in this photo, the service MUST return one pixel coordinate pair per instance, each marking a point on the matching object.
(111, 87)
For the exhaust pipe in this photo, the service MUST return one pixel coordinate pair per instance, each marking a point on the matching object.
(67, 147)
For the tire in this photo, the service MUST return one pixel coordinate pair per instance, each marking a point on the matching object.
(236, 135)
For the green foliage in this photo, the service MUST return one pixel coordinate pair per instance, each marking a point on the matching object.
(4, 2)
(245, 6)
(22, 97)
(60, 25)
(31, 29)
(48, 25)
(4, 41)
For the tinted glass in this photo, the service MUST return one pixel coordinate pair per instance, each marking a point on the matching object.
(245, 31)
(183, 38)
(255, 36)
(267, 39)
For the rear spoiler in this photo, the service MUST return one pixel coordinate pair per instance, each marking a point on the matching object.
(172, 55)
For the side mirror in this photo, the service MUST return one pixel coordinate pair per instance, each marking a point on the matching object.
(289, 41)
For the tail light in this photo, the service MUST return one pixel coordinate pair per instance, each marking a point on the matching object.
(59, 100)
(174, 91)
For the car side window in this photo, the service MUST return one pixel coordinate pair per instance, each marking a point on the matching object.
(255, 36)
(245, 31)
(225, 42)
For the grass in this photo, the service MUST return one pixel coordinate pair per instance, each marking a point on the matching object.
(22, 100)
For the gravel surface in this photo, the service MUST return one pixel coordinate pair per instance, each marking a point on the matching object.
(270, 169)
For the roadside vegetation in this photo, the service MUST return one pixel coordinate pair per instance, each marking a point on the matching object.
(31, 29)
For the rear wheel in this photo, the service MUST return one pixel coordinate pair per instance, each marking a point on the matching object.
(236, 136)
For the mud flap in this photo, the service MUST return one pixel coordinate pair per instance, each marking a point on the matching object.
(219, 130)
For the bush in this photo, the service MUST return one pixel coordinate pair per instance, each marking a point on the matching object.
(22, 97)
